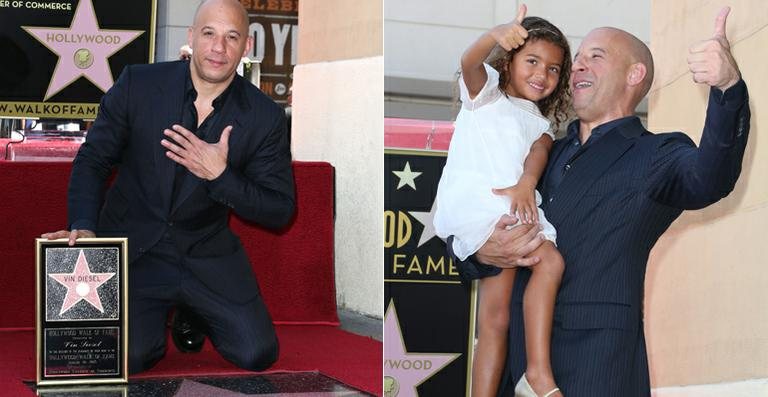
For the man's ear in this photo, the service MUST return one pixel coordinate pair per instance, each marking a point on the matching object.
(637, 73)
(248, 46)
(190, 32)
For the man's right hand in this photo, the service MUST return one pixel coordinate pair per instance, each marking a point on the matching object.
(509, 248)
(71, 235)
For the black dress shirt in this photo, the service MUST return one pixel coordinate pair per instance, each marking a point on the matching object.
(189, 118)
(573, 149)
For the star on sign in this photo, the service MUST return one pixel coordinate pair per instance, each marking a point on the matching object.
(407, 177)
(83, 49)
(408, 370)
(426, 219)
(81, 284)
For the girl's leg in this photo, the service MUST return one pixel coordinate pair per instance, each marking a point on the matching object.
(538, 310)
(493, 331)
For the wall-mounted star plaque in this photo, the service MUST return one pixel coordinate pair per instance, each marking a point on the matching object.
(81, 302)
(429, 313)
(60, 57)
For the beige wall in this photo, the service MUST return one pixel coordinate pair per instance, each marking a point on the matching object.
(707, 283)
(338, 116)
(339, 29)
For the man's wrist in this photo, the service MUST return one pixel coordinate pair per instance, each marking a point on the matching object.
(216, 175)
(729, 84)
(83, 225)
(733, 97)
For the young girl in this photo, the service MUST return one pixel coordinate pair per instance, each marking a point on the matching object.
(502, 139)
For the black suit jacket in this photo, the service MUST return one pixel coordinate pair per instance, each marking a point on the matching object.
(257, 183)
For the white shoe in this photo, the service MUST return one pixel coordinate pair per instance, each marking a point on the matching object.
(523, 389)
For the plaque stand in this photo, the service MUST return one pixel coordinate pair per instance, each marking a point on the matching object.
(81, 311)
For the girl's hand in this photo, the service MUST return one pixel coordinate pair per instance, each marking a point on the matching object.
(511, 35)
(523, 199)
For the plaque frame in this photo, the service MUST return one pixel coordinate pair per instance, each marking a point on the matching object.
(408, 291)
(81, 313)
(102, 390)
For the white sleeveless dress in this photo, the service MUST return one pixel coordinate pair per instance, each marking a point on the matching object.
(492, 137)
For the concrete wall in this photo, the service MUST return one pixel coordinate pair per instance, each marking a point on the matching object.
(338, 117)
(425, 39)
(748, 388)
(173, 19)
(706, 295)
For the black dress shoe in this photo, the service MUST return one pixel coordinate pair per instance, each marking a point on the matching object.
(187, 330)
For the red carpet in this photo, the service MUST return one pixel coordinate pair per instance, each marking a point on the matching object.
(294, 267)
(351, 359)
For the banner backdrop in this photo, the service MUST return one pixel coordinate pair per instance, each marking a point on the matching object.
(57, 58)
(274, 25)
(429, 314)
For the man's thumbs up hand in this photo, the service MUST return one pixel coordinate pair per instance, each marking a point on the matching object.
(720, 22)
(711, 62)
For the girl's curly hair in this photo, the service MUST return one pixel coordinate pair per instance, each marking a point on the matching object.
(555, 106)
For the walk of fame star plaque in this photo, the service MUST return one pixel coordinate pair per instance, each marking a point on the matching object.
(429, 320)
(60, 57)
(81, 303)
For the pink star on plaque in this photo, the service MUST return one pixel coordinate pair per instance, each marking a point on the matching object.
(81, 284)
(83, 49)
(403, 371)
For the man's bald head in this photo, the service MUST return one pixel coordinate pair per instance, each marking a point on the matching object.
(636, 52)
(234, 4)
(612, 72)
(219, 39)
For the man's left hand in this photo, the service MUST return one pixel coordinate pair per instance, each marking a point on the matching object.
(711, 61)
(204, 160)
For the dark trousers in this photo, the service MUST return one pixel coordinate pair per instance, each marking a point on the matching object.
(159, 280)
(586, 362)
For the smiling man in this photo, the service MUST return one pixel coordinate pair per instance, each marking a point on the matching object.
(611, 188)
(191, 141)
